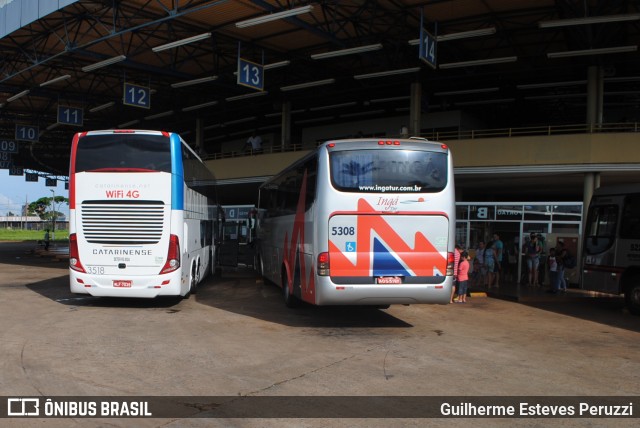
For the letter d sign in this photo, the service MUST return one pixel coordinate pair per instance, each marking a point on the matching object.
(483, 212)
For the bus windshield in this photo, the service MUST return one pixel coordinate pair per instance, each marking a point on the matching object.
(123, 152)
(407, 171)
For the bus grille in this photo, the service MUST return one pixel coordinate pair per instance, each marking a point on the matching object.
(122, 222)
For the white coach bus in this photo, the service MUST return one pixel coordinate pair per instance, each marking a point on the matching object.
(361, 222)
(142, 215)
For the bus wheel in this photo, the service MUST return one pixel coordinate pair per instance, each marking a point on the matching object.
(193, 281)
(290, 300)
(632, 297)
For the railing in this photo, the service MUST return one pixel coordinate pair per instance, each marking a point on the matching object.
(582, 128)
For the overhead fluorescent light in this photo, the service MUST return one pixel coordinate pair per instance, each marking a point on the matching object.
(551, 84)
(133, 122)
(274, 16)
(554, 97)
(589, 20)
(390, 99)
(468, 91)
(181, 42)
(307, 85)
(102, 107)
(57, 79)
(482, 102)
(317, 119)
(467, 34)
(363, 113)
(246, 119)
(586, 52)
(18, 95)
(349, 51)
(280, 113)
(461, 35)
(621, 79)
(276, 65)
(52, 126)
(159, 115)
(349, 104)
(104, 63)
(217, 125)
(387, 73)
(479, 62)
(245, 96)
(198, 106)
(193, 82)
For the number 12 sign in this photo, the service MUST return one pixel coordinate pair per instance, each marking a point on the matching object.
(250, 74)
(137, 96)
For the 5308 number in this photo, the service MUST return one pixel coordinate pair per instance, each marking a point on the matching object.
(340, 230)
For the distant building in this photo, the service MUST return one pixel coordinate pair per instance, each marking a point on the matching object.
(31, 223)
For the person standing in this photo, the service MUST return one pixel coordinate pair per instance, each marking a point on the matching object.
(532, 249)
(456, 262)
(561, 256)
(552, 264)
(482, 270)
(463, 277)
(46, 239)
(490, 264)
(498, 247)
(254, 143)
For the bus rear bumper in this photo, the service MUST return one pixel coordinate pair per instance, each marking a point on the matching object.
(136, 286)
(329, 293)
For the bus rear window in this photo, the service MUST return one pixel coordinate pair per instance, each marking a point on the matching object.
(123, 152)
(376, 171)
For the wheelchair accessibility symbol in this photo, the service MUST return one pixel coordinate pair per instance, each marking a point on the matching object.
(350, 247)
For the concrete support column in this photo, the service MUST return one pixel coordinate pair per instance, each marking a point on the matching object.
(595, 94)
(589, 185)
(199, 136)
(414, 109)
(285, 140)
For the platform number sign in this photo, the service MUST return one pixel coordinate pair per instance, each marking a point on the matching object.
(250, 74)
(16, 170)
(70, 115)
(428, 48)
(50, 182)
(27, 133)
(136, 96)
(8, 146)
(31, 177)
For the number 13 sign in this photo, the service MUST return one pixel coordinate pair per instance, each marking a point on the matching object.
(250, 74)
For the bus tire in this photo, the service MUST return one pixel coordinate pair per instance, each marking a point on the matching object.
(632, 296)
(290, 300)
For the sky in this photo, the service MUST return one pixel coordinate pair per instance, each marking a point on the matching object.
(14, 191)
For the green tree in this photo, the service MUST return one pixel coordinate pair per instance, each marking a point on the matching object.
(47, 207)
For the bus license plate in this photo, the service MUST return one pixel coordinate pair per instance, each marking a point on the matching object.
(389, 280)
(122, 283)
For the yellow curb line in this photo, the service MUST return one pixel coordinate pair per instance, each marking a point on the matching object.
(479, 294)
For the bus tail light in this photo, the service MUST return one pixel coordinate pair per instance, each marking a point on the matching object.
(323, 264)
(450, 262)
(173, 255)
(74, 255)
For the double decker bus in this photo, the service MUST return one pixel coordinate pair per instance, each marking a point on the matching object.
(611, 245)
(361, 222)
(143, 215)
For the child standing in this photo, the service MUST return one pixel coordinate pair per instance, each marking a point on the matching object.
(463, 277)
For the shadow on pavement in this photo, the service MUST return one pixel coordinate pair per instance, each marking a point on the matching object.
(241, 291)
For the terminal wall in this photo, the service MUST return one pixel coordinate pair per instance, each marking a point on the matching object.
(574, 149)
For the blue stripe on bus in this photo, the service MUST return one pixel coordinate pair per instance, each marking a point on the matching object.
(177, 172)
(385, 263)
